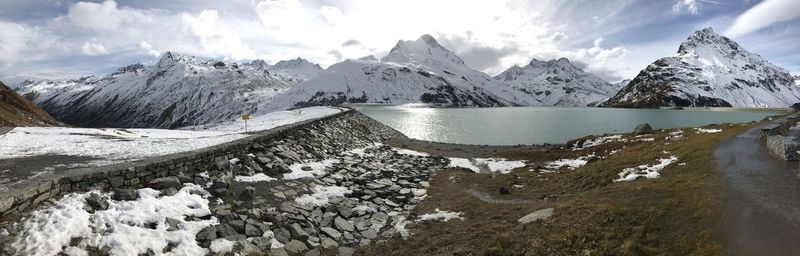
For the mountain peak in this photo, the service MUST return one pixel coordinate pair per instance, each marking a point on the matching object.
(706, 38)
(425, 50)
(429, 40)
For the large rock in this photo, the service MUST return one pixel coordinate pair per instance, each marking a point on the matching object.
(295, 247)
(125, 195)
(164, 183)
(248, 194)
(643, 129)
(542, 214)
(96, 202)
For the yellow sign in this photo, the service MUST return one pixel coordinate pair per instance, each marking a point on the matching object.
(246, 117)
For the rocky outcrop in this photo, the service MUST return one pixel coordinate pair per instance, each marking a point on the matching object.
(15, 110)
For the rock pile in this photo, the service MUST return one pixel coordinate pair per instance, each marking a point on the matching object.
(326, 188)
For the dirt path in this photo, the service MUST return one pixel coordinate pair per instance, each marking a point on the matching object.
(762, 198)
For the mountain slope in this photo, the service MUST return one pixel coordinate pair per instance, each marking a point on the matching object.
(293, 71)
(710, 71)
(15, 110)
(557, 83)
(413, 72)
(177, 91)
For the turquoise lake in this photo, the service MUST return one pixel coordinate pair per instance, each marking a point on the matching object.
(538, 125)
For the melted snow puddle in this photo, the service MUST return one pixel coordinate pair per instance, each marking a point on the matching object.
(475, 165)
(124, 227)
(647, 171)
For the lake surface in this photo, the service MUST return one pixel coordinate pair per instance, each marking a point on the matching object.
(538, 125)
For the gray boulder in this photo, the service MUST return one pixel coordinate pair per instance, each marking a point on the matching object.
(96, 202)
(164, 183)
(643, 129)
(125, 195)
(295, 247)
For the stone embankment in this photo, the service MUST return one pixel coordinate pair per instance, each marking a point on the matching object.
(781, 140)
(331, 186)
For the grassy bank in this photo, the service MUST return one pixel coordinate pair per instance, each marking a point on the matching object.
(674, 214)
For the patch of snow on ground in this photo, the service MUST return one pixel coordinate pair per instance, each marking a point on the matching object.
(409, 152)
(596, 141)
(362, 150)
(123, 227)
(312, 169)
(570, 164)
(500, 165)
(220, 245)
(322, 194)
(255, 178)
(703, 130)
(112, 145)
(647, 171)
(269, 120)
(440, 215)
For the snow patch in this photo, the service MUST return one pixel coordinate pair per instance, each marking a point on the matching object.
(647, 171)
(125, 227)
(500, 165)
(322, 195)
(440, 215)
(703, 130)
(570, 164)
(311, 169)
(220, 245)
(254, 178)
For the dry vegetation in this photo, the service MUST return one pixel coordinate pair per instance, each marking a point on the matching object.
(675, 214)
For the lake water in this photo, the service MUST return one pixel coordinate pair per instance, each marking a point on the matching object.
(538, 125)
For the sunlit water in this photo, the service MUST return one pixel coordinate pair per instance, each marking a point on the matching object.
(538, 125)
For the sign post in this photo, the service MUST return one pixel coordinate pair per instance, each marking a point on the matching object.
(245, 117)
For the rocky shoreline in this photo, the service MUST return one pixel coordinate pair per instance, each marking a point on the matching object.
(325, 188)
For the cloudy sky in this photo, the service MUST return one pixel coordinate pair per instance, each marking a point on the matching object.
(611, 38)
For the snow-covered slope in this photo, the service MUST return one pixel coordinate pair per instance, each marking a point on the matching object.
(413, 72)
(296, 70)
(177, 91)
(710, 70)
(557, 83)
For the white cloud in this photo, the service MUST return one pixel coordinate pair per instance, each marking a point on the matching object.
(608, 63)
(93, 49)
(215, 38)
(103, 16)
(691, 6)
(763, 15)
(148, 48)
(331, 14)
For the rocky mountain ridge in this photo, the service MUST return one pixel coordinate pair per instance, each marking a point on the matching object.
(709, 70)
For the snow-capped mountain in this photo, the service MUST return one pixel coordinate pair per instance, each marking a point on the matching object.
(177, 91)
(296, 70)
(710, 70)
(796, 80)
(413, 72)
(15, 111)
(557, 83)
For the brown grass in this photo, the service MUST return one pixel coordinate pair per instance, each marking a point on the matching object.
(671, 215)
